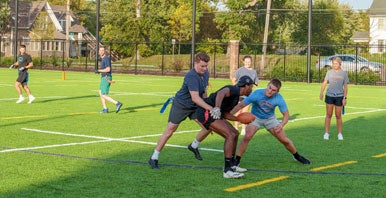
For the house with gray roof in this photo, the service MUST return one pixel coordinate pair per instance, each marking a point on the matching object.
(376, 36)
(42, 28)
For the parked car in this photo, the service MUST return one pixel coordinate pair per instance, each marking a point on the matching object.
(349, 61)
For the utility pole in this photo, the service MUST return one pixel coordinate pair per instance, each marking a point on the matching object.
(16, 30)
(68, 24)
(265, 42)
(97, 34)
(193, 34)
(309, 41)
(138, 18)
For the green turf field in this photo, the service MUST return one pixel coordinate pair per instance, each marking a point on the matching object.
(61, 146)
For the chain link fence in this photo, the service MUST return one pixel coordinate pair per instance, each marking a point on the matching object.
(285, 61)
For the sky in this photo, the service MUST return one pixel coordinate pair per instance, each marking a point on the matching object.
(357, 4)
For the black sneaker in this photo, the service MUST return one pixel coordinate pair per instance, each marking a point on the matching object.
(195, 151)
(302, 159)
(153, 163)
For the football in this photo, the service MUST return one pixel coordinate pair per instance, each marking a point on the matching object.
(245, 117)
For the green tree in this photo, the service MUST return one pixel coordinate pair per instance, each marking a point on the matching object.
(43, 27)
(4, 17)
(234, 22)
(332, 23)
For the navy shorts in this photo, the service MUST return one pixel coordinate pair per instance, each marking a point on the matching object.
(337, 101)
(178, 113)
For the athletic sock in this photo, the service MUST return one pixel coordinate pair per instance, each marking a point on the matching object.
(195, 143)
(155, 155)
(237, 160)
(228, 164)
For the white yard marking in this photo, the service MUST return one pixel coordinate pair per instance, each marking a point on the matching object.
(130, 139)
(45, 97)
(103, 139)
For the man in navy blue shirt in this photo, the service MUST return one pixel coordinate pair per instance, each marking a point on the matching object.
(185, 102)
(106, 80)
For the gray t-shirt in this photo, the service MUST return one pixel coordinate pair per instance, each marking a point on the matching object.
(243, 71)
(336, 80)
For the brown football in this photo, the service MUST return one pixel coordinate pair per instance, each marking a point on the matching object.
(245, 117)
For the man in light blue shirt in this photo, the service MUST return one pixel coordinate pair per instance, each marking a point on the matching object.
(264, 102)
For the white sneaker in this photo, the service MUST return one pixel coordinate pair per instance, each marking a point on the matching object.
(242, 132)
(21, 99)
(31, 98)
(232, 175)
(326, 136)
(239, 169)
(340, 136)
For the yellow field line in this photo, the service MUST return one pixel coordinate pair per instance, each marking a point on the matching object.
(380, 155)
(82, 113)
(20, 117)
(259, 183)
(333, 165)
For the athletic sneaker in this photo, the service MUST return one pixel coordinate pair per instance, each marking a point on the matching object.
(232, 175)
(119, 105)
(340, 136)
(21, 99)
(239, 169)
(153, 163)
(31, 99)
(104, 111)
(195, 151)
(302, 160)
(326, 136)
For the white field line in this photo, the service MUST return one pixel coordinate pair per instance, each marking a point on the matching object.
(129, 139)
(45, 97)
(103, 139)
(353, 113)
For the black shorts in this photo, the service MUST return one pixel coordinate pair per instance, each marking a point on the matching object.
(203, 116)
(337, 101)
(178, 113)
(22, 77)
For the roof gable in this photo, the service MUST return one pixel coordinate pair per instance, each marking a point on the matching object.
(28, 12)
(378, 8)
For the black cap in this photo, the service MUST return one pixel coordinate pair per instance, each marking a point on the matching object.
(245, 80)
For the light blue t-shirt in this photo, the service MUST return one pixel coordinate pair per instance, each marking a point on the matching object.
(263, 107)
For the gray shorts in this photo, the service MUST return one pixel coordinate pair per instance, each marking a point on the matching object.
(269, 123)
(178, 113)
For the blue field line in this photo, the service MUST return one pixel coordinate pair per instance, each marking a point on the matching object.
(202, 167)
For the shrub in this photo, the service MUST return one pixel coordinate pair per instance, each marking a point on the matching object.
(177, 65)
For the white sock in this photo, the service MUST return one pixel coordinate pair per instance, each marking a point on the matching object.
(155, 155)
(21, 96)
(195, 143)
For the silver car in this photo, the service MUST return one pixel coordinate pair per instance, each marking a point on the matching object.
(351, 62)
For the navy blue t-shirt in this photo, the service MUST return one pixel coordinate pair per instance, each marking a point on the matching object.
(192, 82)
(106, 62)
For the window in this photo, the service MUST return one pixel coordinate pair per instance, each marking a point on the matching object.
(3, 44)
(381, 24)
(381, 46)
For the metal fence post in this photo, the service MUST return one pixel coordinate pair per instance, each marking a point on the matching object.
(214, 60)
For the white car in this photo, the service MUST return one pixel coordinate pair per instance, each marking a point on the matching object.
(351, 62)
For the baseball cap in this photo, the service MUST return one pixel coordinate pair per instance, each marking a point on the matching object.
(245, 80)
